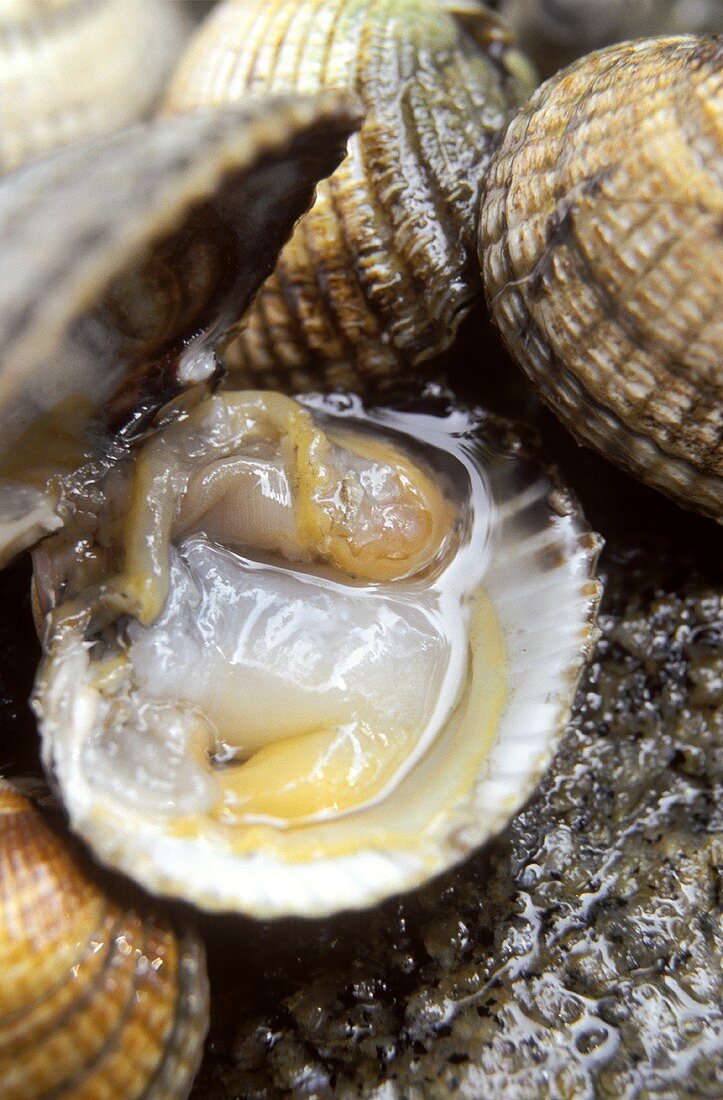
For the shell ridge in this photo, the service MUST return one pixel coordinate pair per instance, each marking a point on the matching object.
(106, 917)
(155, 1084)
(256, 31)
(615, 311)
(293, 262)
(403, 204)
(192, 1005)
(425, 136)
(382, 302)
(603, 298)
(69, 1037)
(575, 395)
(422, 135)
(286, 275)
(108, 1047)
(290, 54)
(328, 304)
(663, 466)
(342, 189)
(459, 291)
(688, 100)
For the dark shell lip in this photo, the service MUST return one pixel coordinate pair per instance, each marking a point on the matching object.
(78, 221)
(128, 256)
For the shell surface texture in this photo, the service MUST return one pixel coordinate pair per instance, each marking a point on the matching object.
(69, 68)
(97, 999)
(379, 273)
(296, 656)
(602, 255)
(123, 261)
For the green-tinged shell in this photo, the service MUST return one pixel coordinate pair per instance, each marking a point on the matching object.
(97, 999)
(122, 262)
(69, 68)
(378, 275)
(602, 255)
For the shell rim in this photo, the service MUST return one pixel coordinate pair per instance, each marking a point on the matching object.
(365, 878)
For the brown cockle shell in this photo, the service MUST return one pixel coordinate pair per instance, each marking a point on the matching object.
(379, 273)
(122, 262)
(602, 255)
(96, 1000)
(69, 68)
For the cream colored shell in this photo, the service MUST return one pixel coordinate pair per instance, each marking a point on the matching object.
(602, 255)
(96, 999)
(69, 68)
(380, 272)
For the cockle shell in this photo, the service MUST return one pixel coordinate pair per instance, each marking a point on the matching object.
(602, 255)
(378, 275)
(122, 262)
(96, 999)
(69, 68)
(294, 734)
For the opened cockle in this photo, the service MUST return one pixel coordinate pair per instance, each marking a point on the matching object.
(312, 672)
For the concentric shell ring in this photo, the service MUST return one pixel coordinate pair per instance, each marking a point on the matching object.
(97, 998)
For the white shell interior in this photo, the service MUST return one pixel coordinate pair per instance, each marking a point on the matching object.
(535, 558)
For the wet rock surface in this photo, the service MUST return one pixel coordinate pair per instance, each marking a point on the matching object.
(581, 954)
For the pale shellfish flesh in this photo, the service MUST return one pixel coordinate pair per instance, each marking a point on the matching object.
(300, 655)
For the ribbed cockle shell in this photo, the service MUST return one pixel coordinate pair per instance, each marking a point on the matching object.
(602, 257)
(378, 275)
(96, 999)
